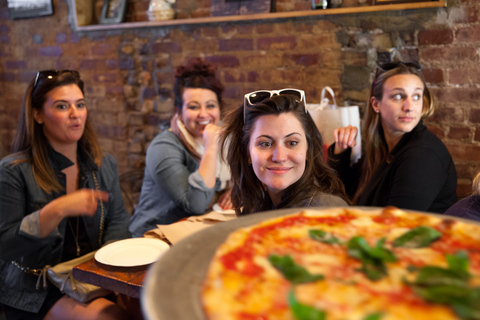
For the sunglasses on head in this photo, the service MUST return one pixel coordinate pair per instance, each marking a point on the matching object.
(392, 65)
(255, 97)
(50, 74)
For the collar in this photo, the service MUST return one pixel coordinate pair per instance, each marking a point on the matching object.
(60, 162)
(404, 140)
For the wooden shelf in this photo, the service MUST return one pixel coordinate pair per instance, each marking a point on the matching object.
(263, 16)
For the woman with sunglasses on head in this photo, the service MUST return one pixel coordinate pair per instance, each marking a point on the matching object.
(403, 164)
(276, 156)
(184, 174)
(60, 198)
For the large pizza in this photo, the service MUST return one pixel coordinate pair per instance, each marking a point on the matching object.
(347, 264)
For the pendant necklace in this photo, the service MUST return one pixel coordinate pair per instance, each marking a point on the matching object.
(75, 236)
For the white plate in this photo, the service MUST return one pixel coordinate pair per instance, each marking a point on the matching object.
(131, 252)
(216, 207)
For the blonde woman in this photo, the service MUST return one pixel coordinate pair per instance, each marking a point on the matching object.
(468, 207)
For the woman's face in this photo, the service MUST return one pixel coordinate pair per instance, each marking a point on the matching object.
(278, 150)
(401, 105)
(63, 115)
(200, 107)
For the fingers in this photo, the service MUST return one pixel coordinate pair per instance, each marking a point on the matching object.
(345, 138)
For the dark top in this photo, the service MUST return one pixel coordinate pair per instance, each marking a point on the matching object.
(418, 174)
(468, 207)
(21, 200)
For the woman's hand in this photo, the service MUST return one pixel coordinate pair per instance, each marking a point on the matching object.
(82, 202)
(210, 135)
(345, 138)
(225, 200)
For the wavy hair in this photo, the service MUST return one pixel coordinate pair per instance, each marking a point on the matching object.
(30, 139)
(196, 74)
(375, 145)
(248, 191)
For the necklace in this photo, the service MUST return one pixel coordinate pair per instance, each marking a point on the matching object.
(75, 235)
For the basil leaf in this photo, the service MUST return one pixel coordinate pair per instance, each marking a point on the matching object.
(304, 312)
(431, 275)
(458, 262)
(418, 237)
(443, 294)
(291, 271)
(323, 236)
(372, 258)
(374, 316)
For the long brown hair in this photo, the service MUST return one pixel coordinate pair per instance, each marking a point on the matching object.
(375, 145)
(248, 191)
(30, 139)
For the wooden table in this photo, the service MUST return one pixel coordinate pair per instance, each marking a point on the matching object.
(124, 280)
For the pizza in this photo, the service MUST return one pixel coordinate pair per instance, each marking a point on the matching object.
(347, 264)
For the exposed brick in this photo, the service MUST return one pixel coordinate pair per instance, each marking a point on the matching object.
(253, 76)
(468, 34)
(459, 133)
(477, 134)
(27, 76)
(474, 116)
(427, 37)
(4, 28)
(7, 76)
(305, 60)
(464, 189)
(277, 43)
(223, 61)
(437, 130)
(112, 63)
(4, 38)
(235, 44)
(61, 38)
(126, 63)
(448, 53)
(447, 115)
(456, 95)
(464, 76)
(18, 64)
(264, 28)
(105, 77)
(245, 29)
(168, 47)
(52, 51)
(433, 75)
(210, 32)
(464, 171)
(464, 152)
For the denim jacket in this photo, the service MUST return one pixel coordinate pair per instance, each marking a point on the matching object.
(21, 200)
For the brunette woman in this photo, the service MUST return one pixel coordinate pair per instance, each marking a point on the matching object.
(60, 198)
(184, 174)
(403, 163)
(276, 156)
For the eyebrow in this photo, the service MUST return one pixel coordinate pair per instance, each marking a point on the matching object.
(269, 137)
(66, 101)
(401, 89)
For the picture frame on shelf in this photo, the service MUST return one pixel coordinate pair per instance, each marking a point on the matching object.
(379, 2)
(19, 9)
(238, 7)
(113, 11)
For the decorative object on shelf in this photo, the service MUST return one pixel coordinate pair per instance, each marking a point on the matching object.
(161, 10)
(238, 7)
(113, 11)
(18, 9)
(397, 1)
(326, 4)
(85, 12)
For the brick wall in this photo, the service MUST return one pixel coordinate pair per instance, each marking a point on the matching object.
(129, 73)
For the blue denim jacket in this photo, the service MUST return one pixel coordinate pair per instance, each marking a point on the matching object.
(20, 202)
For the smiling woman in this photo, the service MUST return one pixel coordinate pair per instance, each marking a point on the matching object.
(60, 199)
(184, 173)
(275, 155)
